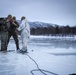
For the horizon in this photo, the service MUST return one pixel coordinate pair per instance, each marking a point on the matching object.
(53, 23)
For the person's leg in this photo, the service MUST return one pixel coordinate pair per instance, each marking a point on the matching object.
(9, 35)
(2, 41)
(24, 42)
(6, 40)
(4, 37)
(15, 36)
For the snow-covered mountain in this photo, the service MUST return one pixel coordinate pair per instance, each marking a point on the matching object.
(40, 24)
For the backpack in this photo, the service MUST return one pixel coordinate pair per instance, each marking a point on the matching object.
(2, 24)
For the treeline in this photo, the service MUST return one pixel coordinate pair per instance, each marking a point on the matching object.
(54, 30)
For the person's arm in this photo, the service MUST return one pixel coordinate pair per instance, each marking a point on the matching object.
(16, 24)
(22, 26)
(28, 28)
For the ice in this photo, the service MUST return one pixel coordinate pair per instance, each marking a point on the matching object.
(51, 54)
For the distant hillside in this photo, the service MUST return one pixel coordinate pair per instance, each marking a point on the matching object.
(39, 24)
(41, 28)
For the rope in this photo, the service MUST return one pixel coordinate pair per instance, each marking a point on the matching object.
(38, 69)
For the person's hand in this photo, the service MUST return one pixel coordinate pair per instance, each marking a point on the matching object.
(7, 20)
(14, 24)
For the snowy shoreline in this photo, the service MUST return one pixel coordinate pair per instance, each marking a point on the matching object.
(54, 37)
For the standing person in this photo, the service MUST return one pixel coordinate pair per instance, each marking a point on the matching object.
(13, 30)
(4, 34)
(25, 33)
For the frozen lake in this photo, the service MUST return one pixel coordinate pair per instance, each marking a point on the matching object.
(55, 54)
(49, 43)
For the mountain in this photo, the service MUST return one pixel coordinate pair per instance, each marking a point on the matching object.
(41, 28)
(40, 24)
(37, 24)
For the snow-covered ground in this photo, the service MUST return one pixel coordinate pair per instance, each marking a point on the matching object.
(53, 54)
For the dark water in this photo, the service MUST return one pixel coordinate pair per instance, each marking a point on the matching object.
(54, 42)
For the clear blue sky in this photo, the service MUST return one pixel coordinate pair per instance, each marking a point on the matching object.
(60, 12)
